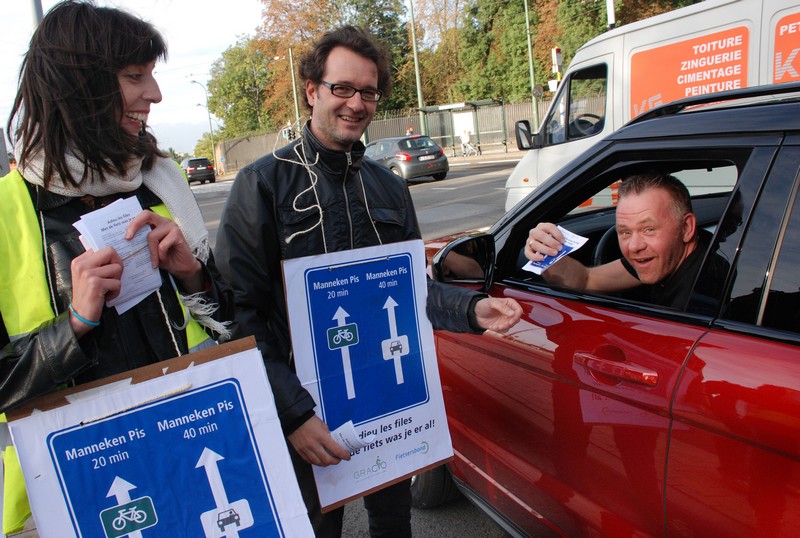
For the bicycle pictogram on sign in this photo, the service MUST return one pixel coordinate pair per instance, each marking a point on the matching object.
(126, 518)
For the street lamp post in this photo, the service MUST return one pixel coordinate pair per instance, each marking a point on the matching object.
(294, 87)
(534, 104)
(294, 91)
(210, 128)
(420, 101)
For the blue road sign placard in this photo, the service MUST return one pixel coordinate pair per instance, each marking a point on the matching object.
(366, 338)
(184, 465)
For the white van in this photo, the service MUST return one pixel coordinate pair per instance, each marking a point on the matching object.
(707, 47)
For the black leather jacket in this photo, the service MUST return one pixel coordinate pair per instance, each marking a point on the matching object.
(50, 356)
(273, 213)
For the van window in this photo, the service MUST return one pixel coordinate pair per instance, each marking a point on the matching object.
(580, 106)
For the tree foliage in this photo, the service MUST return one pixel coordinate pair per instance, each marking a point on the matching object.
(467, 50)
(236, 89)
(203, 147)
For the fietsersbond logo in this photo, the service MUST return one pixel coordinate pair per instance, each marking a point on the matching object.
(421, 449)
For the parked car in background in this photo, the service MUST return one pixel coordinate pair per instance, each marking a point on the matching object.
(199, 169)
(605, 415)
(410, 157)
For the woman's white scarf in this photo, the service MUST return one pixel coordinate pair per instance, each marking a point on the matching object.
(166, 180)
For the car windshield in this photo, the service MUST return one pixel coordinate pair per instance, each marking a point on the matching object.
(417, 143)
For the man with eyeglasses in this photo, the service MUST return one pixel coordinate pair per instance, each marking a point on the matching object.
(319, 195)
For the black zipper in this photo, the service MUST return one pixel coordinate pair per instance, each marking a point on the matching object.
(347, 199)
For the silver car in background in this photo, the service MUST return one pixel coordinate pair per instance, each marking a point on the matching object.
(410, 157)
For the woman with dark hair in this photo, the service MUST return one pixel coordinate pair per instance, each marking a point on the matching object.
(79, 124)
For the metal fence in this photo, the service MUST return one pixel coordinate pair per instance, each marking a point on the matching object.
(494, 130)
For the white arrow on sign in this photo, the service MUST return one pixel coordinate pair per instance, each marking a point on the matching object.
(340, 317)
(226, 518)
(389, 306)
(209, 459)
(121, 490)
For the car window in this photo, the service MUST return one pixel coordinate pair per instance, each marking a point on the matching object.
(782, 304)
(716, 179)
(710, 179)
(769, 257)
(421, 142)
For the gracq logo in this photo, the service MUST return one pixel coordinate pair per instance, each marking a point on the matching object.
(378, 467)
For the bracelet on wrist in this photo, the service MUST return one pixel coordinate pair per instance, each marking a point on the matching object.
(83, 319)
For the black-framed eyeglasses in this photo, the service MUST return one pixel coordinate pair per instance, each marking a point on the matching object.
(344, 91)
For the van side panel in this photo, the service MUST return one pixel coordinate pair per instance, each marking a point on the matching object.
(710, 63)
(786, 52)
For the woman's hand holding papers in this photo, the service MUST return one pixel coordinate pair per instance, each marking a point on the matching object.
(95, 279)
(169, 250)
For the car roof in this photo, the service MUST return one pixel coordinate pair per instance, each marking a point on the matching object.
(761, 109)
(751, 96)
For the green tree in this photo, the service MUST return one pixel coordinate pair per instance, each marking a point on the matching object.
(494, 52)
(579, 21)
(382, 18)
(438, 45)
(468, 50)
(236, 89)
(175, 155)
(203, 147)
(298, 24)
(477, 38)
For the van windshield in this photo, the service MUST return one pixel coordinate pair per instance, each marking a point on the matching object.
(580, 107)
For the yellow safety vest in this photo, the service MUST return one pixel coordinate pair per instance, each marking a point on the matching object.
(25, 304)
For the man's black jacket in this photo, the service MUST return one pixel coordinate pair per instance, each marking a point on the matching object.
(302, 200)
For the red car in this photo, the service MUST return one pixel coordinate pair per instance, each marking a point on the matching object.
(603, 415)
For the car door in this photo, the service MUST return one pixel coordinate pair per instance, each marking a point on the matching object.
(566, 419)
(382, 152)
(734, 456)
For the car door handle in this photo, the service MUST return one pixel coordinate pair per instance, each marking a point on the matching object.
(624, 371)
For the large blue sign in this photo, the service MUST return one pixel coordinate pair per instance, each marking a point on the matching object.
(185, 465)
(366, 339)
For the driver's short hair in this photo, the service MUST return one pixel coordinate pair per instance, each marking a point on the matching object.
(638, 183)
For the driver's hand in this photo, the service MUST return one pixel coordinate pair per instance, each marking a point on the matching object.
(543, 240)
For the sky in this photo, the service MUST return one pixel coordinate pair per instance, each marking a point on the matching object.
(197, 33)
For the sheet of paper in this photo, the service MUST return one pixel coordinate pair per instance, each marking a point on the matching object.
(106, 227)
(347, 436)
(571, 242)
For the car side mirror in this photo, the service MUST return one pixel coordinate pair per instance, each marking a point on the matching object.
(467, 259)
(523, 135)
